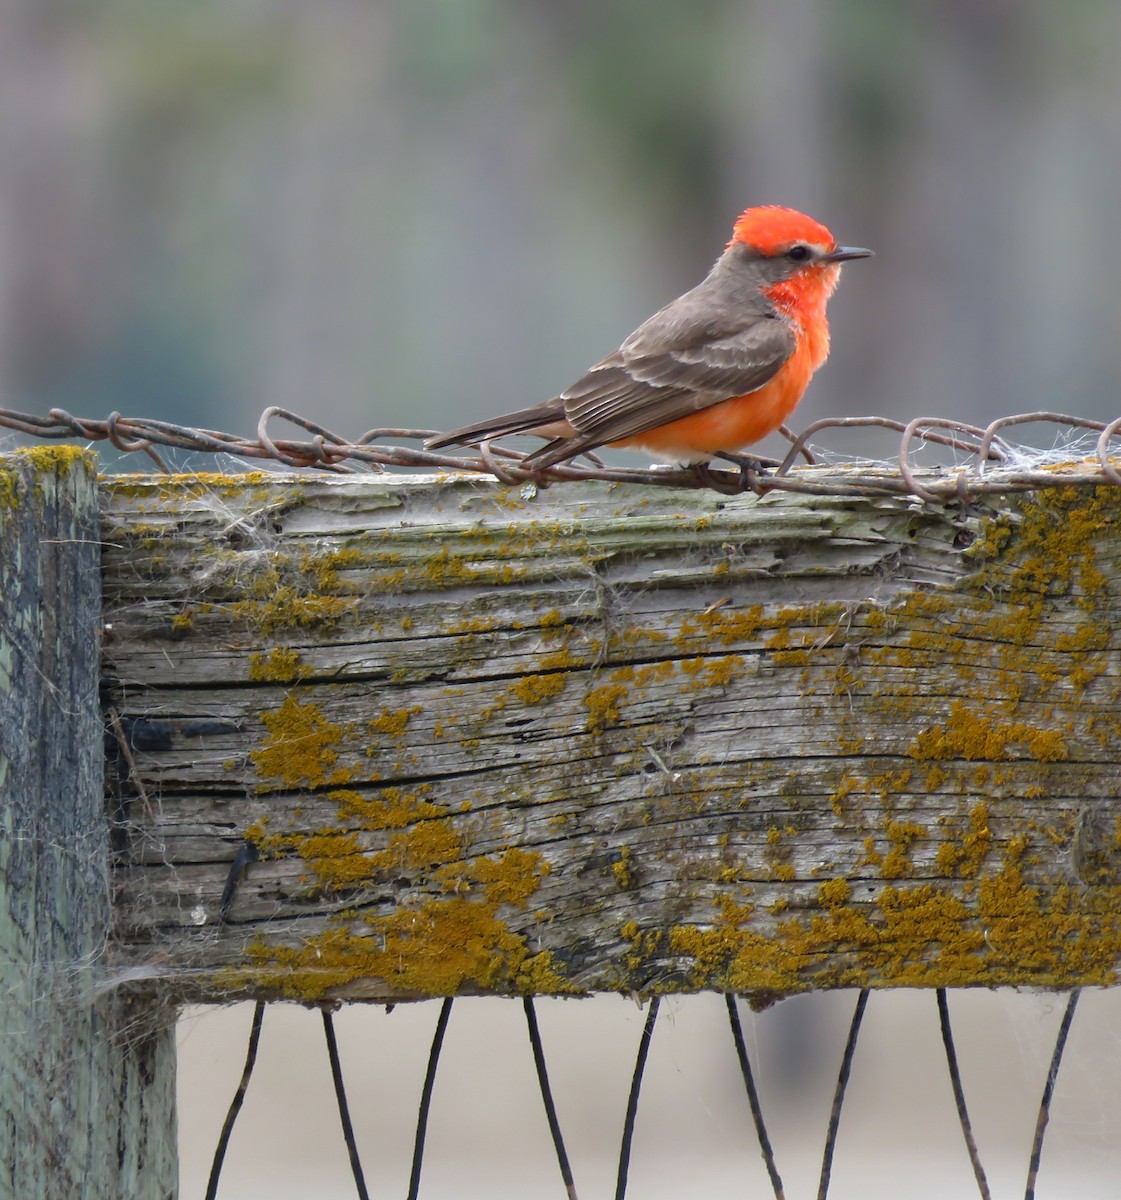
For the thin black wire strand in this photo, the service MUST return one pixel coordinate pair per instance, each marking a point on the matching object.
(959, 1094)
(344, 1108)
(632, 1099)
(547, 1097)
(237, 1101)
(426, 1097)
(839, 1095)
(1048, 1092)
(753, 1097)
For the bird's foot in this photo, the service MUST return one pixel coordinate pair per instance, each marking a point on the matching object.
(719, 481)
(751, 471)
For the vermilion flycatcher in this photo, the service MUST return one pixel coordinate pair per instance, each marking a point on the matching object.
(711, 373)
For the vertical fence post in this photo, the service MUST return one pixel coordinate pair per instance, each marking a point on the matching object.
(87, 1080)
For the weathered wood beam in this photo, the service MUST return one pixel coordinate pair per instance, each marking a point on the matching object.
(87, 1085)
(610, 738)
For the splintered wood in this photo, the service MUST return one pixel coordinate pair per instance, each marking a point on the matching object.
(443, 736)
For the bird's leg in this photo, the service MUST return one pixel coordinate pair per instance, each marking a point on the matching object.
(752, 469)
(750, 462)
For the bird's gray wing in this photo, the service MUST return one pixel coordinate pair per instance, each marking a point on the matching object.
(687, 357)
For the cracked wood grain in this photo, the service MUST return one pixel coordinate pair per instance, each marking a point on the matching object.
(592, 738)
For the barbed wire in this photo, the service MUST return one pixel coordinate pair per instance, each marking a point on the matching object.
(993, 464)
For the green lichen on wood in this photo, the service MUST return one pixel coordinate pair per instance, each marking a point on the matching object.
(26, 470)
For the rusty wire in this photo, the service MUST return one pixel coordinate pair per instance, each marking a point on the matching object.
(992, 464)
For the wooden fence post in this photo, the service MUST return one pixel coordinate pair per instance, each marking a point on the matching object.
(87, 1082)
(394, 737)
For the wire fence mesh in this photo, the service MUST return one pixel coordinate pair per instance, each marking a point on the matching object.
(753, 1121)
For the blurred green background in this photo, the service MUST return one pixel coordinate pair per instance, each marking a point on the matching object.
(424, 212)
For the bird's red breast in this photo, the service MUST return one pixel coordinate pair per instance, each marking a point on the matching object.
(738, 422)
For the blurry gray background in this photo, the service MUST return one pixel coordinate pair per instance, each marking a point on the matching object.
(425, 211)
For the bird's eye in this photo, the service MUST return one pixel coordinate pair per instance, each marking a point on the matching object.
(799, 253)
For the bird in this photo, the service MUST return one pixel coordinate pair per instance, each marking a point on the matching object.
(712, 372)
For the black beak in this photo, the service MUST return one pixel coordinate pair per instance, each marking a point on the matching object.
(843, 253)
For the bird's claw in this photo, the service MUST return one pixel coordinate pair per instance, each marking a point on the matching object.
(751, 471)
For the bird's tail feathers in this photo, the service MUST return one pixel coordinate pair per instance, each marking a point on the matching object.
(516, 422)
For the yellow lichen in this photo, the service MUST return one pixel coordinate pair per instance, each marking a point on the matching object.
(976, 736)
(897, 862)
(300, 746)
(603, 705)
(536, 689)
(282, 664)
(393, 723)
(623, 870)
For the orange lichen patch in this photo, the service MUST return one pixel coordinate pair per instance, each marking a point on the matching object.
(393, 723)
(441, 947)
(423, 846)
(926, 935)
(1088, 637)
(44, 461)
(975, 736)
(707, 672)
(623, 869)
(455, 941)
(299, 748)
(834, 892)
(444, 948)
(511, 879)
(964, 853)
(536, 689)
(449, 568)
(388, 808)
(847, 785)
(897, 863)
(603, 705)
(336, 858)
(779, 856)
(559, 660)
(871, 856)
(726, 626)
(284, 607)
(324, 568)
(651, 673)
(282, 664)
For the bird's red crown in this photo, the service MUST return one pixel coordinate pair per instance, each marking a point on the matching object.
(772, 229)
